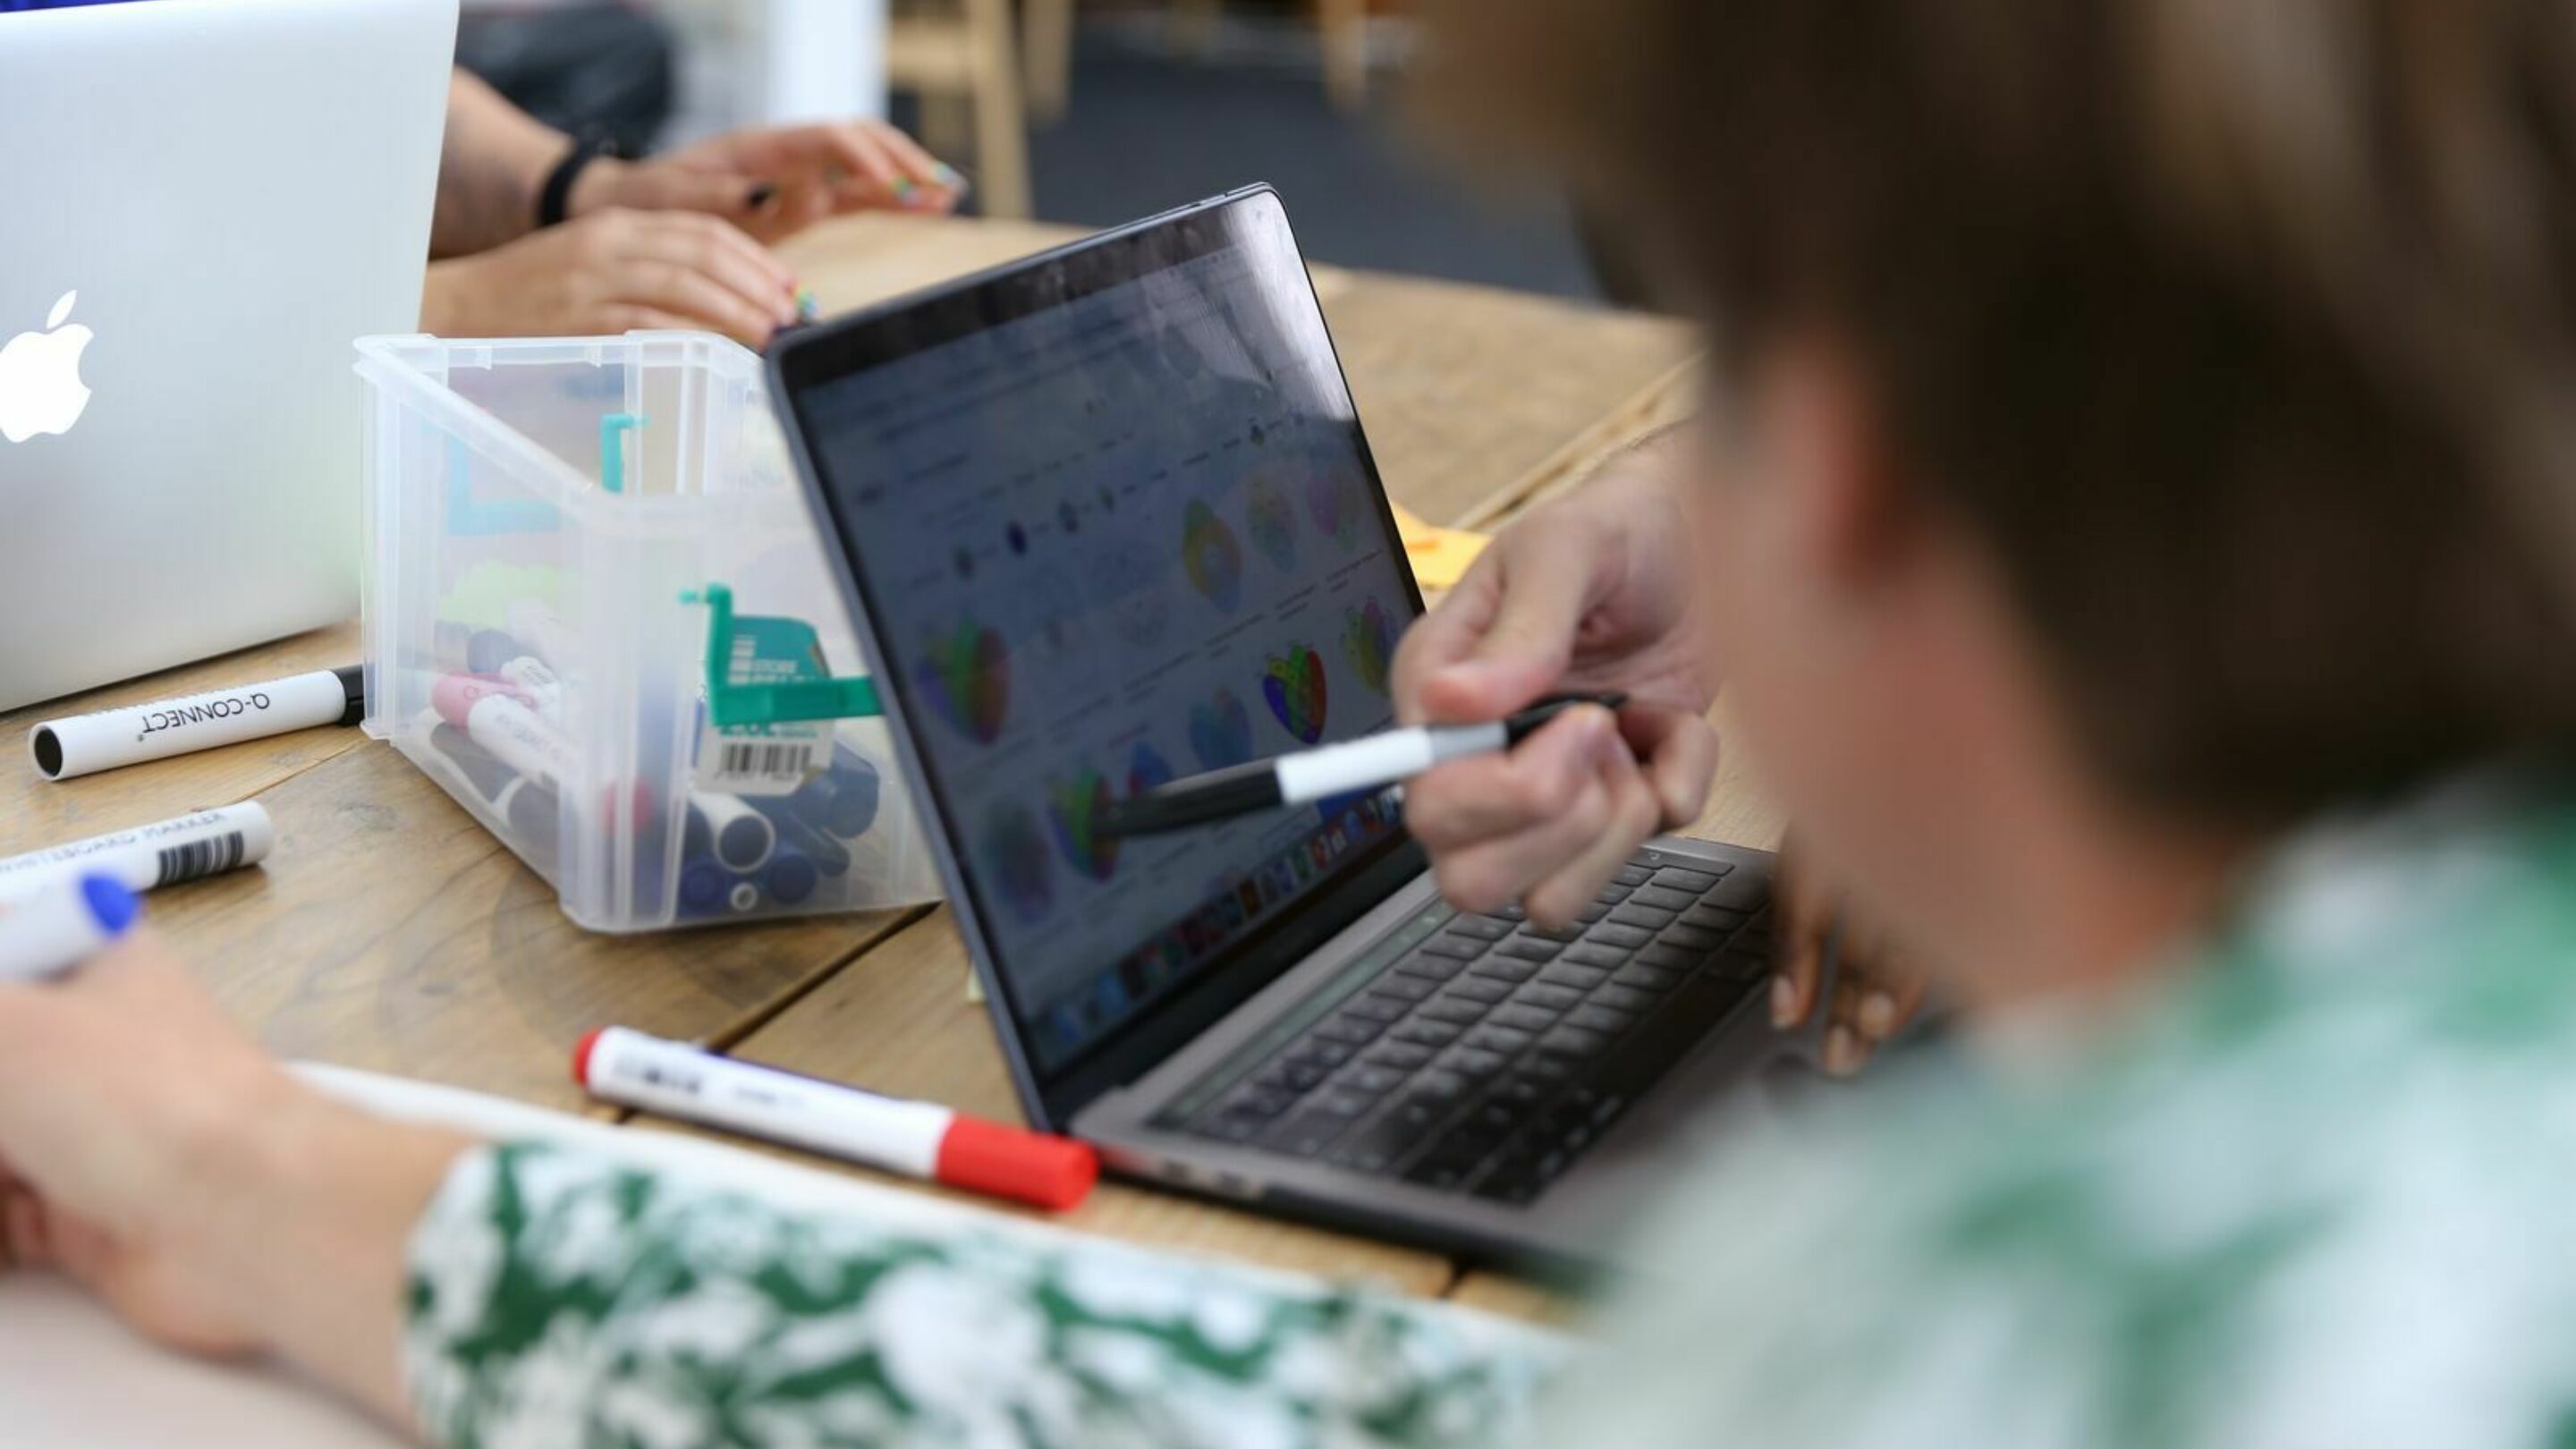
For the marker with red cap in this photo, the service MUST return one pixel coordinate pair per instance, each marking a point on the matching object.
(916, 1139)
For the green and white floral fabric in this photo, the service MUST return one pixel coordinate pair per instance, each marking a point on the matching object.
(2318, 1191)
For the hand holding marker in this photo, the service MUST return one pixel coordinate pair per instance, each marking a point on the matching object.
(1343, 769)
(61, 923)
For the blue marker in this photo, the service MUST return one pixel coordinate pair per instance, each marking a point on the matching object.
(55, 927)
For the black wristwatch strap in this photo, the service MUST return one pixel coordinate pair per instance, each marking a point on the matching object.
(555, 198)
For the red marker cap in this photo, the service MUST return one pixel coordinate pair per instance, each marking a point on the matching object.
(1055, 1173)
(455, 696)
(581, 1056)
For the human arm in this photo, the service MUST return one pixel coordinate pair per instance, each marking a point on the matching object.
(521, 1293)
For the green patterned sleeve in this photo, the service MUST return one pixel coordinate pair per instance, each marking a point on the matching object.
(560, 1299)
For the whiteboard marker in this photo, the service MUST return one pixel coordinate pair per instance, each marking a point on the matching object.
(916, 1139)
(50, 930)
(150, 856)
(85, 744)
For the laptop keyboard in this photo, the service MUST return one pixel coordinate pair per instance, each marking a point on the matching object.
(1481, 1054)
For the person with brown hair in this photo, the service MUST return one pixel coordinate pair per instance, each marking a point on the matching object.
(2134, 521)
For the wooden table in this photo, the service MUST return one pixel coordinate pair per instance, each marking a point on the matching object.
(389, 931)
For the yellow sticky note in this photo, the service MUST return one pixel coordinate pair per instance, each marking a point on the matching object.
(1439, 555)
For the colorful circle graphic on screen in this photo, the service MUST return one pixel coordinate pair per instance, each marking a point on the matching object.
(1221, 731)
(1146, 768)
(1270, 518)
(1017, 864)
(966, 674)
(1074, 808)
(1294, 686)
(1211, 557)
(1335, 502)
(1368, 643)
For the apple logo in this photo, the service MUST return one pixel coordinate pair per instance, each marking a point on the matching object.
(40, 386)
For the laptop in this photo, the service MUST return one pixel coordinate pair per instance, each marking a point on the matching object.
(205, 202)
(1107, 517)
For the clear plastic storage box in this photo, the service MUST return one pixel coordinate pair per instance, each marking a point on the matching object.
(596, 612)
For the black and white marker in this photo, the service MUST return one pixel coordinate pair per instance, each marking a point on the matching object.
(1311, 775)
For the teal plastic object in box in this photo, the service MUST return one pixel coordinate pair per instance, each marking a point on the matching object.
(564, 536)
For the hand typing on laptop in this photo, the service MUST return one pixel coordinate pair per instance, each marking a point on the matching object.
(1594, 592)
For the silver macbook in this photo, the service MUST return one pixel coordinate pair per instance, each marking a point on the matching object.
(1108, 517)
(202, 202)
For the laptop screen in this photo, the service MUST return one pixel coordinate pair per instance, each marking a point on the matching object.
(1114, 522)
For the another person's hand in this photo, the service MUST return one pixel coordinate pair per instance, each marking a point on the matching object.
(1878, 986)
(1593, 592)
(613, 272)
(774, 183)
(151, 1152)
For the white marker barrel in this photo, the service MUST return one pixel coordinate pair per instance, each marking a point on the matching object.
(85, 744)
(734, 833)
(1366, 764)
(678, 1080)
(150, 856)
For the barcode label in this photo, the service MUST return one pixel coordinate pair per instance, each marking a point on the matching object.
(199, 857)
(771, 763)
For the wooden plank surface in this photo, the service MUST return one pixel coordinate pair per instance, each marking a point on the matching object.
(390, 932)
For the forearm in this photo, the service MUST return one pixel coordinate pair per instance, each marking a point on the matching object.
(642, 1304)
(496, 158)
(302, 1222)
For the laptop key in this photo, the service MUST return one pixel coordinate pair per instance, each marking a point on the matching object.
(1549, 997)
(1307, 1133)
(1559, 934)
(1529, 948)
(1672, 957)
(1523, 1090)
(1644, 976)
(1573, 1041)
(1572, 974)
(1375, 1081)
(1474, 1062)
(1440, 1086)
(1481, 988)
(1350, 1030)
(1400, 1056)
(1453, 1009)
(1612, 933)
(1462, 948)
(1509, 1041)
(1342, 1102)
(1405, 989)
(1693, 937)
(1647, 917)
(1665, 898)
(1375, 1007)
(1541, 1067)
(1612, 894)
(1594, 953)
(1525, 1018)
(1512, 913)
(1713, 918)
(1292, 1076)
(1632, 876)
(1608, 1020)
(1622, 998)
(1420, 1032)
(1389, 1137)
(1326, 1053)
(1481, 928)
(1430, 968)
(1696, 882)
(1501, 968)
(1257, 1102)
(1591, 913)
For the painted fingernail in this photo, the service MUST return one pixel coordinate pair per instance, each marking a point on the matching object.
(952, 178)
(1842, 1052)
(807, 308)
(1877, 1015)
(760, 196)
(1784, 1002)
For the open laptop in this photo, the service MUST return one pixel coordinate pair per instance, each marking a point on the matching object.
(201, 203)
(1107, 517)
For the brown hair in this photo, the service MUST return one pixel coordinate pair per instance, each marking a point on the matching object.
(2239, 329)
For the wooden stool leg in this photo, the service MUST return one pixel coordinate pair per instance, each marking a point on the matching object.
(1346, 77)
(1050, 57)
(1001, 129)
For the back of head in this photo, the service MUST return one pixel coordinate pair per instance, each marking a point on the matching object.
(2243, 333)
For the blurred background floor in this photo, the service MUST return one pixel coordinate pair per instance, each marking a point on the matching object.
(1147, 129)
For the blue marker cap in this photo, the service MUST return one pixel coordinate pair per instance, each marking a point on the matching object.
(111, 904)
